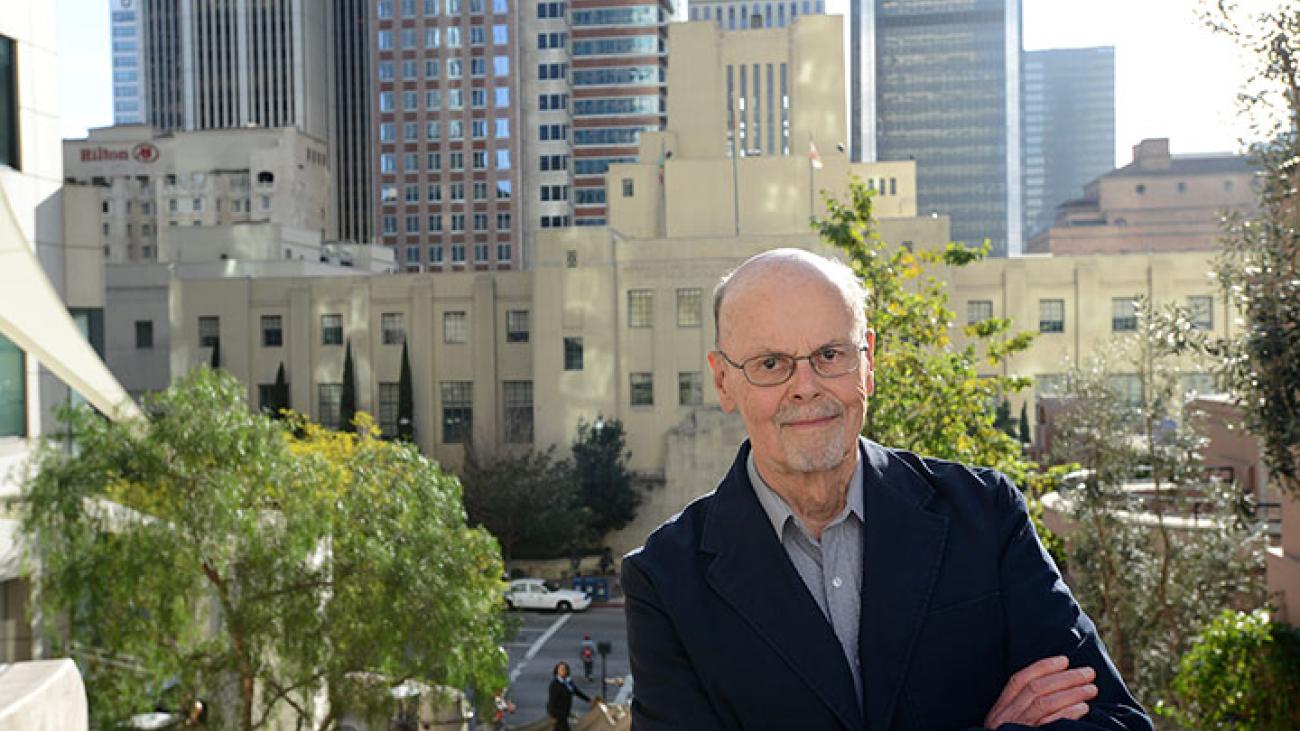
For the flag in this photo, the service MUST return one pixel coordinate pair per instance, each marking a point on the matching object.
(813, 157)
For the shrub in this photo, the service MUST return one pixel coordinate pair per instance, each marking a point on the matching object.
(1242, 672)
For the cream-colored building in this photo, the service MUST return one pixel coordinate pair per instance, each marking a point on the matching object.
(154, 187)
(1158, 202)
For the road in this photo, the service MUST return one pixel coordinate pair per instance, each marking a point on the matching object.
(545, 638)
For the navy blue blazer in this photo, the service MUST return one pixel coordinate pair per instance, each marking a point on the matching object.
(957, 594)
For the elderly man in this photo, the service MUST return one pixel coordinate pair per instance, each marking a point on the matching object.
(832, 583)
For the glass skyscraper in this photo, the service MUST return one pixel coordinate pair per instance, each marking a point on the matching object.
(1069, 127)
(938, 82)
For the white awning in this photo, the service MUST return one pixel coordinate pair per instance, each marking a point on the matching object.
(34, 317)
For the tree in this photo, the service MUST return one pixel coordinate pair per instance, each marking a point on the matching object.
(1149, 582)
(281, 393)
(405, 400)
(1258, 267)
(528, 501)
(215, 361)
(605, 486)
(1025, 437)
(348, 399)
(1002, 418)
(930, 397)
(211, 548)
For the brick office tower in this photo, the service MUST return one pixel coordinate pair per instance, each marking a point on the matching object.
(446, 88)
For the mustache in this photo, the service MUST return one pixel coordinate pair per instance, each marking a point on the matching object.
(788, 413)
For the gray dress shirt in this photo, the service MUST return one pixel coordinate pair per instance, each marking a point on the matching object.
(832, 567)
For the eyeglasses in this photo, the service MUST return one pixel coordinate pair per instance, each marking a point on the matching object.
(773, 369)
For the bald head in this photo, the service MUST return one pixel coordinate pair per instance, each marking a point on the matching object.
(777, 266)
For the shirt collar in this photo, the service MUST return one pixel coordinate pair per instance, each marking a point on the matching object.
(779, 512)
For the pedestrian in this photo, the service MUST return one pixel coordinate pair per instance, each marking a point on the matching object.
(500, 707)
(559, 697)
(830, 582)
(588, 655)
(606, 561)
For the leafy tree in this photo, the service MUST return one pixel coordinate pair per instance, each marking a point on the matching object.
(210, 548)
(1259, 264)
(930, 396)
(348, 399)
(1150, 582)
(405, 400)
(528, 501)
(605, 486)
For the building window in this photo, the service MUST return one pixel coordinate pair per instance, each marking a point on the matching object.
(1049, 385)
(688, 307)
(388, 400)
(573, 354)
(640, 308)
(13, 390)
(144, 334)
(1201, 310)
(453, 326)
(978, 311)
(518, 411)
(1051, 316)
(331, 329)
(1198, 384)
(628, 188)
(457, 411)
(209, 331)
(329, 400)
(393, 325)
(643, 389)
(9, 139)
(1123, 314)
(272, 331)
(1127, 387)
(690, 388)
(517, 326)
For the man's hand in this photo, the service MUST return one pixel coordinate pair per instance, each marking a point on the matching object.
(1048, 690)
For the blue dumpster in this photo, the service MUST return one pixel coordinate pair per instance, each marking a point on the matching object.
(596, 587)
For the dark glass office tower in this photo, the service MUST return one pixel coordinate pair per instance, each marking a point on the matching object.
(945, 75)
(1069, 127)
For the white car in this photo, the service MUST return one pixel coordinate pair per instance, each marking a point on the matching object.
(533, 594)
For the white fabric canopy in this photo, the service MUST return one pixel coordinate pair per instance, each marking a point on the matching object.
(34, 317)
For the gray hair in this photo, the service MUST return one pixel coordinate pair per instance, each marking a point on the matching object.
(840, 275)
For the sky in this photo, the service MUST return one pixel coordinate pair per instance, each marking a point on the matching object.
(1173, 78)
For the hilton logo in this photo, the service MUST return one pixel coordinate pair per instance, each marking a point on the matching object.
(144, 152)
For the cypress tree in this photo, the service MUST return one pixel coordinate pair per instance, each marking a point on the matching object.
(348, 400)
(405, 400)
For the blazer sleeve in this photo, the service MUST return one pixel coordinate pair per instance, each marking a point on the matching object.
(1043, 619)
(668, 694)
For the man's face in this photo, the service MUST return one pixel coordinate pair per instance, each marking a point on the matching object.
(810, 423)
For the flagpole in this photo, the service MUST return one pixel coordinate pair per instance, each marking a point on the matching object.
(735, 176)
(812, 176)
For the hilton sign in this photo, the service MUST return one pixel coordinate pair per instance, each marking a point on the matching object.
(144, 152)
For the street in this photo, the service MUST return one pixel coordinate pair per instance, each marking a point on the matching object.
(545, 638)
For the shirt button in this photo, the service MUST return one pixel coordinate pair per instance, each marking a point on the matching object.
(837, 582)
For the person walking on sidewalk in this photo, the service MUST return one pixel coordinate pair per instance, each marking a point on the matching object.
(559, 700)
(588, 654)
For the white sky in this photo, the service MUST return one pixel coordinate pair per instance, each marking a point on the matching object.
(1172, 78)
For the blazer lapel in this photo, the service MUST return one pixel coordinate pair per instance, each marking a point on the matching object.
(904, 546)
(753, 574)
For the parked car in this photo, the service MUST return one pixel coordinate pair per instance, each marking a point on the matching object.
(534, 594)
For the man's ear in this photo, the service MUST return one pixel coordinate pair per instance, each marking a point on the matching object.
(720, 368)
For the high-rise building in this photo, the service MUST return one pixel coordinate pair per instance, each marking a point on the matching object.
(223, 64)
(745, 14)
(938, 82)
(446, 89)
(127, 47)
(1069, 127)
(619, 58)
